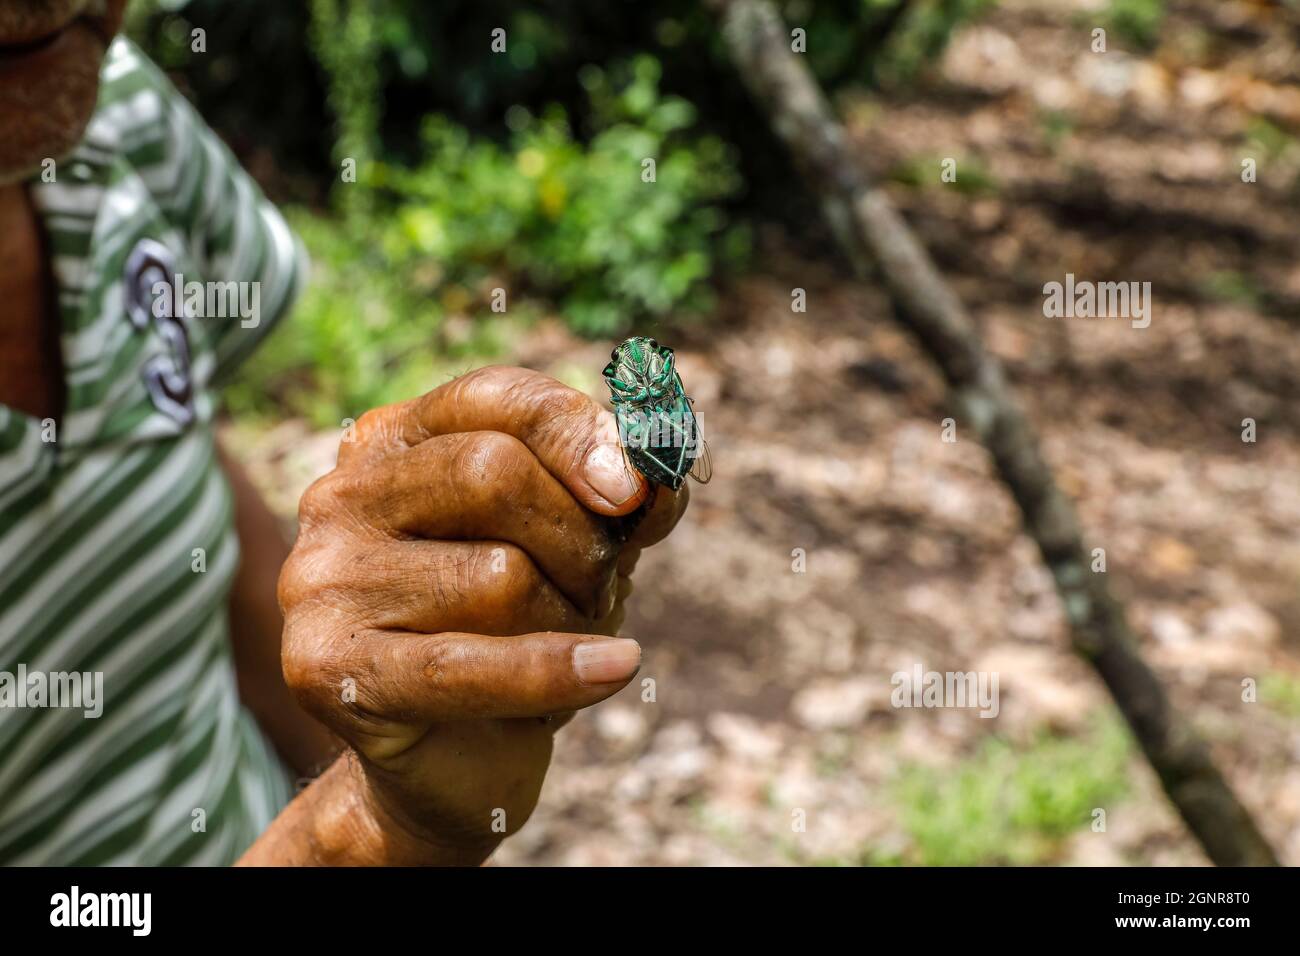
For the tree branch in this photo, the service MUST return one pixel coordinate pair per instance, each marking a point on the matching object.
(871, 231)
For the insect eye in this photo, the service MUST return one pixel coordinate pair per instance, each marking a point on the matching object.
(613, 355)
(654, 345)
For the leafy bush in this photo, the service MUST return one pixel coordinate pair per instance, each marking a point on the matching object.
(575, 223)
(451, 202)
(401, 60)
(546, 218)
(359, 336)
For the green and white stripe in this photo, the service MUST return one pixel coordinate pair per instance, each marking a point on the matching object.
(98, 529)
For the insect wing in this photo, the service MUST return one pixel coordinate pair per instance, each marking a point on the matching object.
(702, 467)
(702, 462)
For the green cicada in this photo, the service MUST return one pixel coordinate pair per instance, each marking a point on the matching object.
(656, 423)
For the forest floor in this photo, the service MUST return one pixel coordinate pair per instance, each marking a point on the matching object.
(766, 733)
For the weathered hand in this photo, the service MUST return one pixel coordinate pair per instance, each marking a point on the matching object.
(446, 595)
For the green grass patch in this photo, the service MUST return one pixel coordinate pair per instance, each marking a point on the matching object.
(1281, 692)
(970, 176)
(1004, 805)
(1138, 21)
(1237, 288)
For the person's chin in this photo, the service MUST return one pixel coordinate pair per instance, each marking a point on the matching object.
(48, 90)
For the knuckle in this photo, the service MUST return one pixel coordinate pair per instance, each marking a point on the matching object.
(379, 427)
(355, 438)
(320, 502)
(328, 574)
(447, 588)
(435, 660)
(351, 500)
(485, 385)
(487, 459)
(545, 396)
(489, 582)
(305, 663)
(305, 572)
(567, 421)
(310, 569)
(370, 426)
(507, 573)
(293, 585)
(499, 377)
(320, 670)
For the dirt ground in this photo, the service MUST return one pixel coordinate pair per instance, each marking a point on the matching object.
(771, 687)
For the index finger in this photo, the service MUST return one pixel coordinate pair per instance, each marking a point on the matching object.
(574, 438)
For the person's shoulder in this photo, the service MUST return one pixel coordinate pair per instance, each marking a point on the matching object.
(142, 118)
(144, 121)
(136, 100)
(127, 69)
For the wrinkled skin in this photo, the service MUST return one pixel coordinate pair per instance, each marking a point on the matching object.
(446, 572)
(450, 522)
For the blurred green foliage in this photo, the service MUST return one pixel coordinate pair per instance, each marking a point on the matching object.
(1005, 805)
(923, 31)
(1281, 692)
(1137, 21)
(970, 175)
(543, 218)
(577, 224)
(358, 337)
(1055, 127)
(518, 170)
(1238, 288)
(1269, 138)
